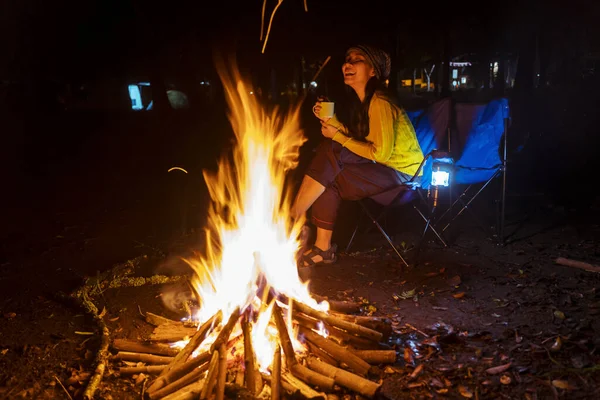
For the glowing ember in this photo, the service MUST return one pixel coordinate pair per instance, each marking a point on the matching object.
(251, 239)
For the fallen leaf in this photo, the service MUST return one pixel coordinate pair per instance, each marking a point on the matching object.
(465, 391)
(442, 270)
(415, 385)
(559, 314)
(498, 369)
(560, 384)
(10, 315)
(505, 380)
(440, 308)
(442, 391)
(417, 371)
(3, 351)
(557, 345)
(408, 356)
(391, 370)
(459, 295)
(431, 274)
(496, 315)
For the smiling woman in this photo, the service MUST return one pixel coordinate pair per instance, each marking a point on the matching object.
(372, 151)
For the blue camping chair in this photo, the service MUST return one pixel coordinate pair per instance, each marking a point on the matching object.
(431, 127)
(480, 137)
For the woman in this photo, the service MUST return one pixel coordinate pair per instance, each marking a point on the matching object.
(375, 150)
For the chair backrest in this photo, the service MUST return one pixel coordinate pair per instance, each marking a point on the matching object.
(477, 137)
(431, 126)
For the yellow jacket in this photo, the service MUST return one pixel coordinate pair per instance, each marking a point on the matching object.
(391, 141)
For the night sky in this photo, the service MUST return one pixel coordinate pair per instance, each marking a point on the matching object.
(71, 39)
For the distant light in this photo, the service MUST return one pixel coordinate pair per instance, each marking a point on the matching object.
(387, 82)
(136, 97)
(463, 79)
(252, 93)
(313, 84)
(144, 83)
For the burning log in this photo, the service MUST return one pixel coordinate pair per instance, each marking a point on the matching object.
(184, 354)
(223, 337)
(342, 337)
(323, 355)
(311, 377)
(169, 333)
(293, 385)
(284, 337)
(340, 323)
(211, 378)
(190, 392)
(346, 307)
(180, 371)
(222, 372)
(357, 364)
(276, 375)
(376, 356)
(379, 324)
(362, 386)
(157, 320)
(137, 347)
(298, 370)
(179, 384)
(143, 357)
(150, 369)
(251, 373)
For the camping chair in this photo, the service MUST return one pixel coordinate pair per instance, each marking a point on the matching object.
(480, 138)
(431, 126)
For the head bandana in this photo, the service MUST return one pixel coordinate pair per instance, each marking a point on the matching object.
(379, 59)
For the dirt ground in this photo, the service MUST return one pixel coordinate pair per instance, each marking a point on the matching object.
(462, 310)
(80, 210)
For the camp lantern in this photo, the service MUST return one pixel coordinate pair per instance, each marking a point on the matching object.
(441, 168)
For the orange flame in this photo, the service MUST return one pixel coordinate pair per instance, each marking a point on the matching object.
(251, 238)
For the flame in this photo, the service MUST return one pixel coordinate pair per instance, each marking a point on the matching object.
(251, 237)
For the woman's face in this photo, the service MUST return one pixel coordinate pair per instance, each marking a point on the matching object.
(357, 71)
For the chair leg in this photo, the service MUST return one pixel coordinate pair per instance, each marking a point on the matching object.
(353, 235)
(429, 225)
(383, 232)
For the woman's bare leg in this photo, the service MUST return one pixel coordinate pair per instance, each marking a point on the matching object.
(323, 240)
(309, 191)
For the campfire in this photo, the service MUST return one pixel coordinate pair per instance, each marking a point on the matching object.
(257, 328)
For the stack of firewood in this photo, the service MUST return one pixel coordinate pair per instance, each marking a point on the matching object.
(345, 360)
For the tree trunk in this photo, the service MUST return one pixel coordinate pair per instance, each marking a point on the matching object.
(445, 90)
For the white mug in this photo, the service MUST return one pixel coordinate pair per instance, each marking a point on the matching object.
(327, 110)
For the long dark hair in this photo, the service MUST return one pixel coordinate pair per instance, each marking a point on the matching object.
(355, 114)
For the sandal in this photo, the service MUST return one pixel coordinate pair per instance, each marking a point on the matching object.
(328, 256)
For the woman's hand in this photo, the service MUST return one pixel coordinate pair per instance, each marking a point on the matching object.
(317, 108)
(327, 130)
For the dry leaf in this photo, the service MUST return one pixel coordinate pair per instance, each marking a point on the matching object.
(391, 370)
(442, 270)
(505, 379)
(440, 308)
(417, 371)
(498, 370)
(459, 295)
(557, 383)
(415, 385)
(465, 391)
(408, 356)
(559, 314)
(518, 338)
(557, 345)
(431, 274)
(442, 391)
